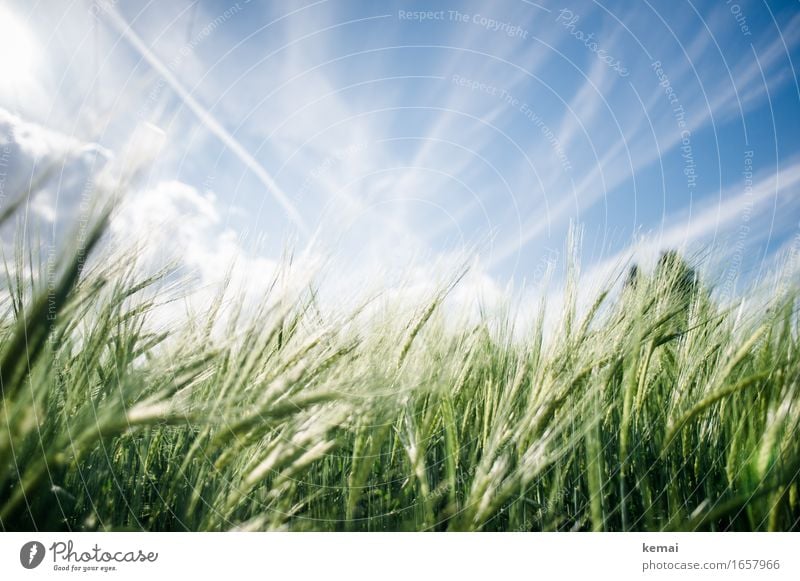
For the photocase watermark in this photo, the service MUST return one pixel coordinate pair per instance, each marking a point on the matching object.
(548, 134)
(545, 264)
(319, 171)
(565, 17)
(491, 24)
(31, 554)
(53, 259)
(211, 27)
(678, 112)
(187, 50)
(735, 263)
(67, 557)
(102, 6)
(5, 161)
(524, 108)
(208, 183)
(569, 20)
(421, 15)
(738, 15)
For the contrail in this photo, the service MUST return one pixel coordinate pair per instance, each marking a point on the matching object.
(205, 117)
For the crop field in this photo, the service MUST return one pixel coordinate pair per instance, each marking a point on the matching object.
(653, 409)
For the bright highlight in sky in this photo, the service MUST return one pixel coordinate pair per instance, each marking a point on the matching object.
(17, 47)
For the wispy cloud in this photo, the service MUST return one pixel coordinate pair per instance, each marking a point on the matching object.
(206, 118)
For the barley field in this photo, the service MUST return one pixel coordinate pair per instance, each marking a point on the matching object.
(656, 408)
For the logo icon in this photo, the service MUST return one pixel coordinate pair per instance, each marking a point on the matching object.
(31, 554)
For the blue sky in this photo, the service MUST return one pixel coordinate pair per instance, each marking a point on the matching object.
(396, 134)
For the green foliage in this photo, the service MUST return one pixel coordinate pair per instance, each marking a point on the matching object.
(655, 410)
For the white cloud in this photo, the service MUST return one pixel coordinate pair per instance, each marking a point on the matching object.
(170, 223)
(58, 168)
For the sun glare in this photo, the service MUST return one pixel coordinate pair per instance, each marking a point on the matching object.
(17, 47)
